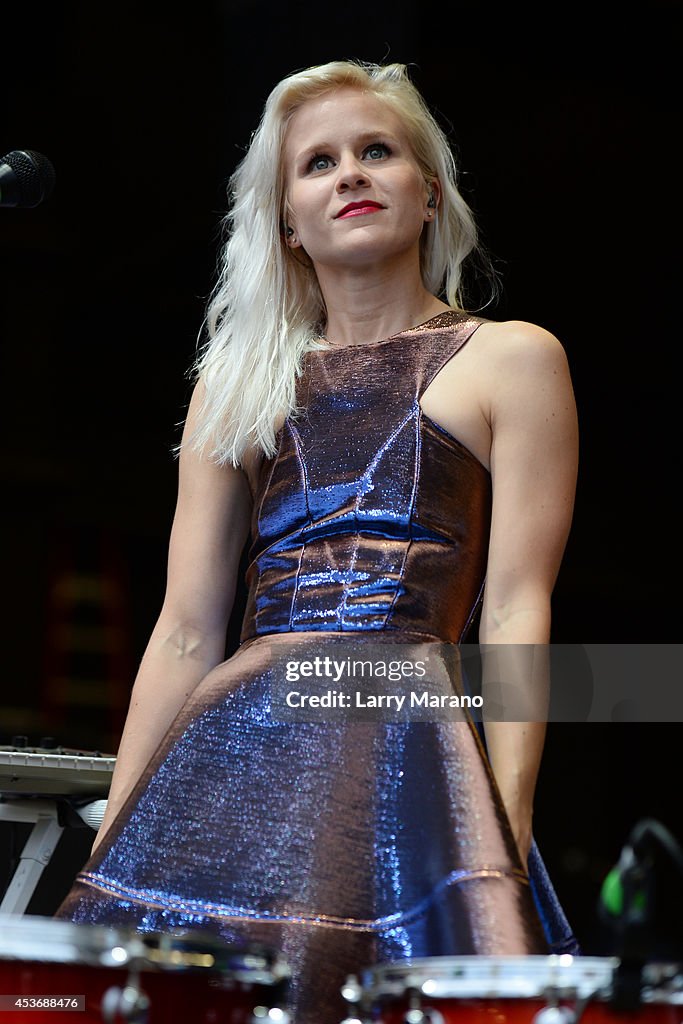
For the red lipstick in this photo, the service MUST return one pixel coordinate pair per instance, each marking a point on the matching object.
(355, 209)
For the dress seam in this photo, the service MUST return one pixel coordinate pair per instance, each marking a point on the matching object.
(342, 606)
(267, 488)
(473, 611)
(415, 416)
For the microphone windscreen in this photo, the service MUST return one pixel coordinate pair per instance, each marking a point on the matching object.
(35, 176)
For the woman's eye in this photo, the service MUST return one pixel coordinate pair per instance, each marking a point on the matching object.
(377, 151)
(319, 162)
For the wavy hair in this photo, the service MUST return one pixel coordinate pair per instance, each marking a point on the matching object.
(266, 310)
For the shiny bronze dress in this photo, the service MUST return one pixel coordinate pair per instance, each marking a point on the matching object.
(340, 843)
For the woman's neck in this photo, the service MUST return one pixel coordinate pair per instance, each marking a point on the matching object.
(365, 305)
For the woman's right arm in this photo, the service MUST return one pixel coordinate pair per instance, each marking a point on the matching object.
(210, 527)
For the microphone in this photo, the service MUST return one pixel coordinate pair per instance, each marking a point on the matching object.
(626, 896)
(26, 178)
(627, 906)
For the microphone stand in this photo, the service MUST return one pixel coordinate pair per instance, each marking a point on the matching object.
(627, 905)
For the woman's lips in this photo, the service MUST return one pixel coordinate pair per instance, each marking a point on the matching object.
(357, 209)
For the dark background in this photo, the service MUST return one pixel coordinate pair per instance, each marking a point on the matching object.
(564, 124)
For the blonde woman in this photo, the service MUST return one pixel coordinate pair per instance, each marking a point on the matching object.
(401, 463)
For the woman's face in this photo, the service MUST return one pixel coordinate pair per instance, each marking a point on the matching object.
(356, 194)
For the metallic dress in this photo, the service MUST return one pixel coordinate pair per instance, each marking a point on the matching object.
(339, 843)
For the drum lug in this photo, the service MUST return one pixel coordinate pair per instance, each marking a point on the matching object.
(419, 1016)
(352, 994)
(555, 1015)
(264, 1015)
(416, 1015)
(126, 1004)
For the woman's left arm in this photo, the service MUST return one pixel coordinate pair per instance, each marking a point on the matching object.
(534, 456)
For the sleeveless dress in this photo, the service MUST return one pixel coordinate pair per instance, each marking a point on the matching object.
(339, 843)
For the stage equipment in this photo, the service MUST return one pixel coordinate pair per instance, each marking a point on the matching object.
(114, 975)
(54, 788)
(27, 178)
(628, 907)
(559, 989)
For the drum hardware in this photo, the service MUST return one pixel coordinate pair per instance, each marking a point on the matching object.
(125, 1004)
(415, 1014)
(124, 976)
(353, 995)
(556, 989)
(272, 1015)
(554, 1013)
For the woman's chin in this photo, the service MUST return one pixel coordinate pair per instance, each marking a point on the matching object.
(360, 253)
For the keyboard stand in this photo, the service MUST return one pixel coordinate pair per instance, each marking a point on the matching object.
(46, 815)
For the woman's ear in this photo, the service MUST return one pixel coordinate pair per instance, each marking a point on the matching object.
(291, 237)
(292, 240)
(289, 227)
(433, 199)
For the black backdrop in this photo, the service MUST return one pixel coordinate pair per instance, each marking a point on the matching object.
(564, 123)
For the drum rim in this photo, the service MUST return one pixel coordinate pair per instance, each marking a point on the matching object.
(516, 977)
(48, 940)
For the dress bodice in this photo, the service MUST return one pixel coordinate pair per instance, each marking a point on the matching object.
(370, 516)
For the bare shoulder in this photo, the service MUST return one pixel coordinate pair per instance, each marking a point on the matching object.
(517, 343)
(523, 373)
(521, 362)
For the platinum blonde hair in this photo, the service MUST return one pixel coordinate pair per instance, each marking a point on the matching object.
(266, 310)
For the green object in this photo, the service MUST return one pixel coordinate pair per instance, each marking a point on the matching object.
(612, 893)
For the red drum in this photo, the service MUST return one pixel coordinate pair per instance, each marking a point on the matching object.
(511, 990)
(97, 975)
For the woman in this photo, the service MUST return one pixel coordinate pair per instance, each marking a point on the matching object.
(385, 482)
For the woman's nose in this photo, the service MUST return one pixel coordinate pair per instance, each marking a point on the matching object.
(351, 174)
